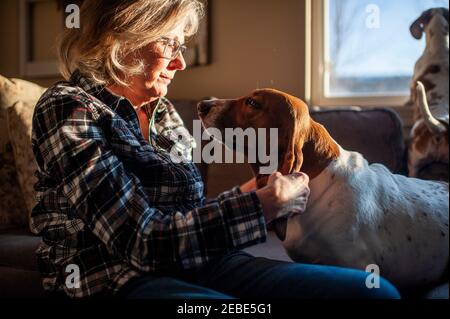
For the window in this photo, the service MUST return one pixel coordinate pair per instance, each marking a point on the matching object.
(362, 50)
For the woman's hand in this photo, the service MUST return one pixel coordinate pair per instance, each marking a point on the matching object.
(284, 195)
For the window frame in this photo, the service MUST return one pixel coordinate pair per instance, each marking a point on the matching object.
(318, 51)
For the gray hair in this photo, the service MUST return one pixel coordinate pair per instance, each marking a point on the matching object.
(112, 29)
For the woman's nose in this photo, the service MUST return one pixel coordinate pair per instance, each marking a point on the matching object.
(178, 63)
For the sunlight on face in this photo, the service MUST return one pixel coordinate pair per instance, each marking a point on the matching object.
(159, 71)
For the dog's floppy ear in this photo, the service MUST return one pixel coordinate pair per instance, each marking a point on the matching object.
(418, 26)
(292, 159)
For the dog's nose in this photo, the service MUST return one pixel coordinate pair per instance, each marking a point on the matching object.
(204, 107)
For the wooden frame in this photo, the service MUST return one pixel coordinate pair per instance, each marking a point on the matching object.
(318, 64)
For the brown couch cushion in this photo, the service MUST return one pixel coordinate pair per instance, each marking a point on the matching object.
(19, 274)
(17, 249)
(375, 133)
(18, 283)
(13, 211)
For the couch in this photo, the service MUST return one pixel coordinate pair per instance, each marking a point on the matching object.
(376, 133)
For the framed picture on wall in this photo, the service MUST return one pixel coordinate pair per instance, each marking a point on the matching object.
(199, 52)
(40, 25)
(42, 21)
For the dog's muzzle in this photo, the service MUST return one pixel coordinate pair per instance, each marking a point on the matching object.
(204, 107)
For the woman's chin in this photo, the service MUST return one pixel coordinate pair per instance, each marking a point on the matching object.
(162, 92)
(158, 91)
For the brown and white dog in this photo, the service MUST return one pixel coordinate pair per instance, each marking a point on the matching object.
(357, 214)
(429, 148)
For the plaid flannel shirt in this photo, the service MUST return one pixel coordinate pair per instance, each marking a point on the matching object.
(115, 205)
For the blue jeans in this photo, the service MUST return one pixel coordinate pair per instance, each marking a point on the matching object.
(240, 275)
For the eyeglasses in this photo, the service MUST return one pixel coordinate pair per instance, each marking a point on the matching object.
(172, 48)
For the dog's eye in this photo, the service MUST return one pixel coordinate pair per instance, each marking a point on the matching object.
(251, 102)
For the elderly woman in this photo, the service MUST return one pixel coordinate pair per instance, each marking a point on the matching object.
(117, 216)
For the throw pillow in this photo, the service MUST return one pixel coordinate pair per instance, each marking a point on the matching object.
(13, 207)
(20, 117)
